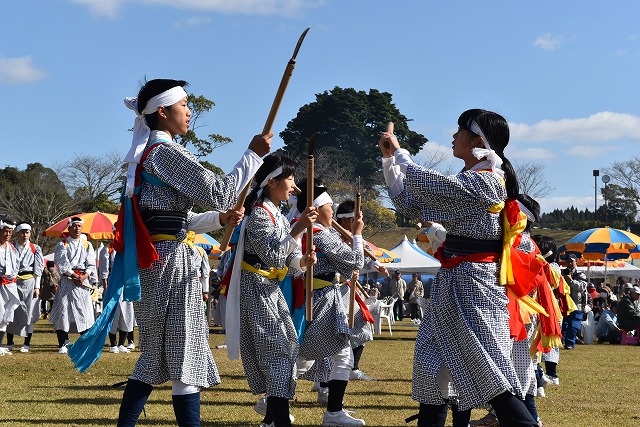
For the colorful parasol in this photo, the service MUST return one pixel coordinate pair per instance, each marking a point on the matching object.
(97, 226)
(208, 243)
(383, 255)
(602, 244)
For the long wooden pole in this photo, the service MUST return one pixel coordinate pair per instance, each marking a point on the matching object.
(347, 235)
(352, 292)
(308, 276)
(271, 118)
(390, 130)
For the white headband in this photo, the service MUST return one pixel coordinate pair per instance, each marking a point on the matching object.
(346, 215)
(6, 225)
(530, 216)
(486, 152)
(23, 226)
(73, 221)
(265, 181)
(273, 174)
(141, 130)
(322, 200)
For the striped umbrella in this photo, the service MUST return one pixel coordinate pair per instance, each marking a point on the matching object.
(602, 244)
(208, 243)
(97, 226)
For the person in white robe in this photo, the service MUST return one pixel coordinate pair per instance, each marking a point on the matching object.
(9, 299)
(73, 307)
(30, 268)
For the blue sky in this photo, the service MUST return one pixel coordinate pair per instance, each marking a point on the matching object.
(564, 74)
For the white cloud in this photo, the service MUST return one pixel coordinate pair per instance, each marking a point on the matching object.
(533, 154)
(599, 127)
(110, 8)
(592, 150)
(15, 71)
(194, 21)
(550, 42)
(432, 148)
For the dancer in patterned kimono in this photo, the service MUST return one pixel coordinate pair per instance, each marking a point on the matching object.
(9, 299)
(173, 327)
(124, 320)
(30, 267)
(267, 247)
(465, 335)
(523, 361)
(361, 332)
(328, 334)
(73, 308)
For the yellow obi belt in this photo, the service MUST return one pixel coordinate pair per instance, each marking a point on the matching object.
(271, 274)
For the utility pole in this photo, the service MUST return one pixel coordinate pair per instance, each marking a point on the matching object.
(596, 173)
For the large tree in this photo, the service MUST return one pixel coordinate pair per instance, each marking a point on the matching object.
(627, 175)
(200, 105)
(620, 204)
(531, 179)
(93, 180)
(350, 123)
(35, 195)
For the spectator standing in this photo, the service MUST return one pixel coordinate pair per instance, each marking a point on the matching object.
(48, 287)
(415, 289)
(398, 288)
(572, 323)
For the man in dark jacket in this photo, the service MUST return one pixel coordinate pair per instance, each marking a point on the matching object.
(628, 313)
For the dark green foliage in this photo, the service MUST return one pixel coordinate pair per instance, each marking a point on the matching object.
(350, 123)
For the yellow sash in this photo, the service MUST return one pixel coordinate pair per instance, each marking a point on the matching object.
(26, 276)
(272, 273)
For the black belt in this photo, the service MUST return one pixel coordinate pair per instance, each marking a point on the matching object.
(22, 273)
(254, 260)
(327, 277)
(164, 222)
(461, 246)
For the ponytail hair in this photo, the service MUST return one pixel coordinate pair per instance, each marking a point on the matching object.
(496, 129)
(271, 163)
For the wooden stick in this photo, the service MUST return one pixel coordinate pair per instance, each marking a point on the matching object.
(390, 130)
(347, 235)
(361, 289)
(308, 276)
(271, 118)
(352, 292)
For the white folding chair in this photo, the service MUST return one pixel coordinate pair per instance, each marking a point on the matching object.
(385, 312)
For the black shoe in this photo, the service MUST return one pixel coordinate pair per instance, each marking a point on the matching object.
(568, 347)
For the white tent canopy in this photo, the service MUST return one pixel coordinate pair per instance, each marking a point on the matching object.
(412, 259)
(598, 271)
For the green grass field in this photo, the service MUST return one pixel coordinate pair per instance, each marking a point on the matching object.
(599, 387)
(599, 383)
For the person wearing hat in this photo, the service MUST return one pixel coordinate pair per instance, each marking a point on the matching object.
(628, 312)
(73, 307)
(572, 323)
(9, 300)
(30, 267)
